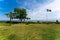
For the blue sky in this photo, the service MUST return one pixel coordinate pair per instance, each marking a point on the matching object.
(36, 9)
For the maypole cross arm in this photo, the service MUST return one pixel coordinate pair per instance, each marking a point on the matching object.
(48, 10)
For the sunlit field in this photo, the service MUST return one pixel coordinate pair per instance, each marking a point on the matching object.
(29, 32)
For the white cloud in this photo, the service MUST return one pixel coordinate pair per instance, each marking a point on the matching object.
(32, 4)
(3, 16)
(28, 3)
(55, 5)
(40, 11)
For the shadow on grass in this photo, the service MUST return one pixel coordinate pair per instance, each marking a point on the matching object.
(49, 34)
(13, 37)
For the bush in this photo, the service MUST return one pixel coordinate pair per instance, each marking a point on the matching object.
(38, 22)
(57, 21)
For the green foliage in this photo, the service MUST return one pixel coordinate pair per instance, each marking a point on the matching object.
(20, 13)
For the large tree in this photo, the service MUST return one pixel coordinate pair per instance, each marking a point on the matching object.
(19, 13)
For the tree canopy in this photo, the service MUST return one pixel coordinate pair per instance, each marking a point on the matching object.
(19, 13)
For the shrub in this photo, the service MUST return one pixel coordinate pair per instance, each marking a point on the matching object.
(57, 21)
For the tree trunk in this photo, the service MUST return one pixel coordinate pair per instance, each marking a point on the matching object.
(10, 21)
(21, 20)
(24, 20)
(10, 18)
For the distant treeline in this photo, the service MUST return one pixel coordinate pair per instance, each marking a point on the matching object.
(29, 22)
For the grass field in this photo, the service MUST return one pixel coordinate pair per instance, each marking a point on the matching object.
(30, 32)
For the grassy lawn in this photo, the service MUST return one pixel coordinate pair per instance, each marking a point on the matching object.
(30, 32)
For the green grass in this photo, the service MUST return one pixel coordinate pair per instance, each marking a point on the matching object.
(30, 32)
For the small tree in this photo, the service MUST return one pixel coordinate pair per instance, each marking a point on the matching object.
(10, 14)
